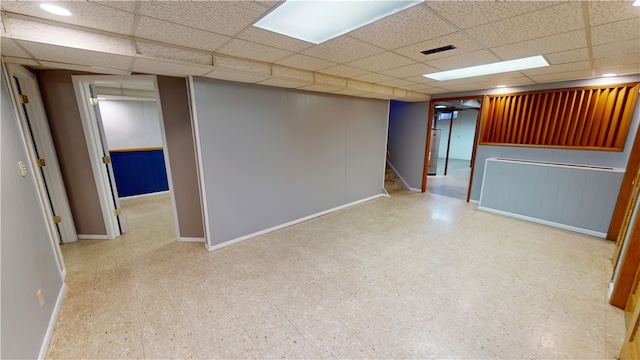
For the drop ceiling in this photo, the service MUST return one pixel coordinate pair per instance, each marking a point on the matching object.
(580, 39)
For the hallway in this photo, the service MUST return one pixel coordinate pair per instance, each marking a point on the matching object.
(455, 184)
(414, 276)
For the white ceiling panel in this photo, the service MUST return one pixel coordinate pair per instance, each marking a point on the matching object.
(153, 66)
(306, 62)
(342, 49)
(383, 61)
(92, 69)
(409, 71)
(463, 44)
(343, 71)
(407, 27)
(468, 14)
(617, 60)
(246, 66)
(222, 17)
(55, 35)
(479, 57)
(617, 31)
(77, 56)
(269, 38)
(154, 29)
(629, 69)
(510, 82)
(397, 83)
(550, 44)
(573, 75)
(249, 50)
(235, 76)
(84, 13)
(568, 56)
(161, 51)
(284, 83)
(548, 21)
(602, 12)
(125, 5)
(560, 68)
(616, 48)
(10, 48)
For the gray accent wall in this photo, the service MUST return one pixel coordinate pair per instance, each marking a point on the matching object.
(271, 155)
(28, 260)
(407, 140)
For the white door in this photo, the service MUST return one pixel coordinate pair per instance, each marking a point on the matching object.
(34, 122)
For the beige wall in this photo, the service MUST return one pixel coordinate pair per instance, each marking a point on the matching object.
(68, 137)
(182, 157)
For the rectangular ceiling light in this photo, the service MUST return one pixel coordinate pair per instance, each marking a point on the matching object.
(319, 21)
(493, 68)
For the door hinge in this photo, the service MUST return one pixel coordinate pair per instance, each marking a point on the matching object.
(117, 212)
(106, 159)
(41, 163)
(24, 99)
(93, 101)
(57, 220)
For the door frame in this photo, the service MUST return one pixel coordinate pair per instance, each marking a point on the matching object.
(432, 104)
(94, 144)
(41, 188)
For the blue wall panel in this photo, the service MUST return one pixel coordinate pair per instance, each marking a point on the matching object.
(139, 172)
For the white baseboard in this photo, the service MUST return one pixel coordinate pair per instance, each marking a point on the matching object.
(474, 201)
(297, 221)
(144, 195)
(191, 239)
(92, 237)
(415, 190)
(546, 222)
(52, 323)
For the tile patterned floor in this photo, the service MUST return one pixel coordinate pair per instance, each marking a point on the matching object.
(417, 276)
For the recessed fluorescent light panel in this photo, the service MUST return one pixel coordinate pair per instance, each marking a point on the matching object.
(319, 21)
(488, 69)
(54, 9)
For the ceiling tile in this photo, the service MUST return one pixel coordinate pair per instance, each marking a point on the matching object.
(247, 66)
(627, 59)
(468, 14)
(152, 66)
(397, 83)
(85, 14)
(56, 65)
(166, 52)
(409, 71)
(55, 35)
(77, 56)
(373, 77)
(510, 82)
(222, 17)
(291, 73)
(284, 83)
(614, 32)
(602, 12)
(548, 21)
(148, 28)
(549, 44)
(573, 75)
(629, 69)
(329, 80)
(342, 49)
(568, 56)
(469, 86)
(616, 48)
(421, 79)
(560, 68)
(406, 27)
(344, 71)
(235, 76)
(382, 61)
(305, 62)
(418, 87)
(10, 48)
(462, 43)
(269, 38)
(249, 50)
(21, 61)
(129, 6)
(470, 59)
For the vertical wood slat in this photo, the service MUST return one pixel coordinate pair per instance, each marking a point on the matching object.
(595, 117)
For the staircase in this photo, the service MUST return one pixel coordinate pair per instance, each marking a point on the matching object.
(391, 183)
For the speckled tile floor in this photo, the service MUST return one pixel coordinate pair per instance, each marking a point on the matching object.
(416, 276)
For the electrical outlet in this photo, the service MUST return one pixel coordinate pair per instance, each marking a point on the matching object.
(23, 168)
(40, 298)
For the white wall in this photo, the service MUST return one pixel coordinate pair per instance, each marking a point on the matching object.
(130, 124)
(464, 128)
(28, 259)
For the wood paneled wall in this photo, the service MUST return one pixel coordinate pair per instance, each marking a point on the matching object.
(590, 118)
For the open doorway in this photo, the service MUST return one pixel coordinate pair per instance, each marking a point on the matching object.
(453, 140)
(125, 137)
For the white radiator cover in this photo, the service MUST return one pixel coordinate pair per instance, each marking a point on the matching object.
(569, 196)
